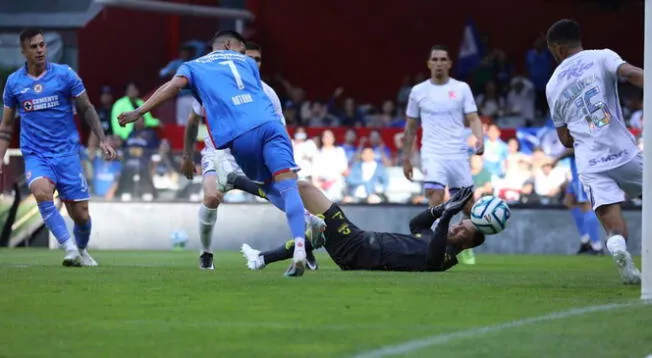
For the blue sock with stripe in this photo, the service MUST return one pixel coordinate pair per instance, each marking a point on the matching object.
(82, 234)
(54, 221)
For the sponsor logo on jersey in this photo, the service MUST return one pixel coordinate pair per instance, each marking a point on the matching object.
(607, 158)
(451, 95)
(575, 70)
(38, 88)
(38, 104)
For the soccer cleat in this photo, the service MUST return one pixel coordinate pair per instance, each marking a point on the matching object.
(628, 271)
(311, 262)
(206, 261)
(317, 226)
(254, 260)
(585, 248)
(72, 259)
(86, 259)
(298, 265)
(467, 257)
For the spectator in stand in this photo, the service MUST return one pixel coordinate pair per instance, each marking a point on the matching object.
(382, 153)
(291, 115)
(521, 100)
(503, 71)
(635, 105)
(517, 185)
(540, 64)
(329, 167)
(104, 113)
(387, 114)
(548, 182)
(304, 152)
(107, 172)
(185, 97)
(125, 104)
(538, 159)
(319, 116)
(490, 103)
(136, 178)
(367, 180)
(349, 146)
(514, 155)
(481, 178)
(351, 115)
(166, 169)
(495, 151)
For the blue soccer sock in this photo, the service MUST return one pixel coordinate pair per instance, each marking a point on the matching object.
(54, 222)
(578, 216)
(288, 190)
(82, 234)
(275, 197)
(592, 227)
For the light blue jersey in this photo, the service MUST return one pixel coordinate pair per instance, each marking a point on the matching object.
(45, 107)
(229, 87)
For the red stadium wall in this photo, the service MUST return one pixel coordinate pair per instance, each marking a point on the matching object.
(119, 46)
(367, 46)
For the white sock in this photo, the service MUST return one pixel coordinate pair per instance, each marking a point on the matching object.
(69, 245)
(597, 246)
(207, 219)
(585, 239)
(616, 243)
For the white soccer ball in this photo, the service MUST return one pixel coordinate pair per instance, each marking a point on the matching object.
(490, 215)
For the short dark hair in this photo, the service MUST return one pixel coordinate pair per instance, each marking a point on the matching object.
(228, 34)
(478, 238)
(438, 48)
(565, 32)
(28, 33)
(252, 46)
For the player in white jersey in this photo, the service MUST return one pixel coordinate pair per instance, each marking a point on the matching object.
(583, 98)
(443, 105)
(221, 173)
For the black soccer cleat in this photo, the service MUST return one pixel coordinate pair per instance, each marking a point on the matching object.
(311, 262)
(585, 248)
(206, 261)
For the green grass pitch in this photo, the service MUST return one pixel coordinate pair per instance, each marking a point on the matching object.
(159, 304)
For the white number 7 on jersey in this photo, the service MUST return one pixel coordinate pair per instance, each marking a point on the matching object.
(236, 74)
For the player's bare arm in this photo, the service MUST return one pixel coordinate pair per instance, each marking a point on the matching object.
(167, 91)
(565, 137)
(86, 109)
(632, 74)
(409, 136)
(192, 128)
(6, 130)
(476, 128)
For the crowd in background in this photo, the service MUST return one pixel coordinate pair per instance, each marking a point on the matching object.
(364, 169)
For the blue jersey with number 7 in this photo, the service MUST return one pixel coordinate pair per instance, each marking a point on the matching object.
(229, 87)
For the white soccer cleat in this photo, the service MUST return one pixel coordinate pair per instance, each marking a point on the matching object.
(628, 271)
(254, 260)
(223, 169)
(298, 266)
(72, 258)
(317, 226)
(86, 259)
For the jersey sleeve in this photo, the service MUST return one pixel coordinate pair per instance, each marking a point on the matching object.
(185, 71)
(276, 102)
(8, 95)
(611, 62)
(75, 83)
(412, 108)
(556, 118)
(196, 108)
(468, 100)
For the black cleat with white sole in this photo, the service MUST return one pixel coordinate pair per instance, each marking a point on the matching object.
(206, 261)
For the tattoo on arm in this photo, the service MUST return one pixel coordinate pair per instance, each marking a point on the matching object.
(192, 128)
(7, 125)
(410, 134)
(85, 108)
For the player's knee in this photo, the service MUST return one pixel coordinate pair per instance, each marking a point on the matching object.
(42, 192)
(212, 201)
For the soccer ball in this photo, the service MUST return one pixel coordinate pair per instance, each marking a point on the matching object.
(490, 215)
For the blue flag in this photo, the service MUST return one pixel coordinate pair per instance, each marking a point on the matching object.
(471, 51)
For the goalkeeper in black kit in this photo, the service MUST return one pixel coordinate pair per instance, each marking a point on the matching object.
(352, 248)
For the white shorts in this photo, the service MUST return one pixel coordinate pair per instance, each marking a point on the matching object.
(443, 172)
(615, 185)
(213, 159)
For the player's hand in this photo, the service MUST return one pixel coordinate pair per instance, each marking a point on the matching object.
(407, 169)
(479, 148)
(107, 150)
(188, 168)
(128, 117)
(457, 202)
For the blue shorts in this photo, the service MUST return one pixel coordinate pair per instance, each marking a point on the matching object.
(64, 172)
(576, 189)
(264, 152)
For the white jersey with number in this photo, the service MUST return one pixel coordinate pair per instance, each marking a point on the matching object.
(583, 96)
(442, 109)
(269, 91)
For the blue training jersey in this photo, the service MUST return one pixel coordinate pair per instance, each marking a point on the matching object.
(228, 85)
(44, 104)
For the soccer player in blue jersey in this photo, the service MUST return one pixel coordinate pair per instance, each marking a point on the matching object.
(241, 117)
(578, 202)
(43, 93)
